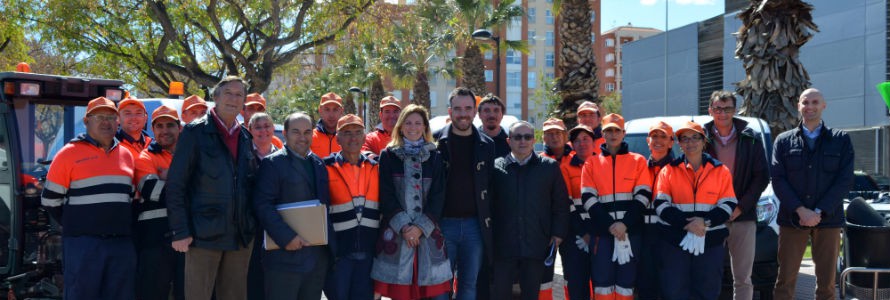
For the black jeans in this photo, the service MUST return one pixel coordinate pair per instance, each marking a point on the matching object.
(283, 285)
(530, 272)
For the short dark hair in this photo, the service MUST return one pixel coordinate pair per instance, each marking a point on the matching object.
(461, 91)
(491, 99)
(296, 116)
(722, 95)
(227, 80)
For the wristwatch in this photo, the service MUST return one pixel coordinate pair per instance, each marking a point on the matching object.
(818, 211)
(707, 222)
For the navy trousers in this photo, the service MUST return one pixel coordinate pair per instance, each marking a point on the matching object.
(350, 279)
(576, 268)
(685, 276)
(99, 268)
(648, 271)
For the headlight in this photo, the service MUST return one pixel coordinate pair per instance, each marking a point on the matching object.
(767, 209)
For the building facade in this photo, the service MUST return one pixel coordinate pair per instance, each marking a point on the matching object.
(610, 52)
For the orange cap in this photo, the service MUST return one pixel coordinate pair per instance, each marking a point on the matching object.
(663, 127)
(390, 101)
(588, 106)
(331, 98)
(192, 101)
(613, 120)
(690, 126)
(130, 101)
(100, 102)
(349, 119)
(164, 111)
(554, 123)
(255, 98)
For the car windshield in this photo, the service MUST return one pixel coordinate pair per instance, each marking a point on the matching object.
(43, 129)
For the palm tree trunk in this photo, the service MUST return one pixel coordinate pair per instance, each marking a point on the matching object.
(348, 103)
(473, 70)
(768, 43)
(421, 88)
(374, 95)
(577, 62)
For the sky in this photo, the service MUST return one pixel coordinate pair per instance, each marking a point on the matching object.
(650, 13)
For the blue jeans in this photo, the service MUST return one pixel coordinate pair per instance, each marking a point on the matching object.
(99, 268)
(463, 243)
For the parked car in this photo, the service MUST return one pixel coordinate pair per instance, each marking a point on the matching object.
(766, 266)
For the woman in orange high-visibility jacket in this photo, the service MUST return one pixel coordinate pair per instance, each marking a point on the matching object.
(660, 141)
(694, 199)
(615, 188)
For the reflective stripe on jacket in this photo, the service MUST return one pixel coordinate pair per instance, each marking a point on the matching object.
(151, 219)
(683, 193)
(615, 188)
(354, 210)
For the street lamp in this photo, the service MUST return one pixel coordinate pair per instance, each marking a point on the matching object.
(362, 109)
(485, 35)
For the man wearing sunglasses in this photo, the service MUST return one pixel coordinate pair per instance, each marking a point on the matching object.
(530, 212)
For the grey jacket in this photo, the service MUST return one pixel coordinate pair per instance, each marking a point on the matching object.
(411, 193)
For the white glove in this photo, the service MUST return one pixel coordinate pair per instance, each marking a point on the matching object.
(700, 244)
(625, 251)
(687, 242)
(579, 241)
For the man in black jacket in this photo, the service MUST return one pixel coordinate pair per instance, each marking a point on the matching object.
(530, 212)
(292, 174)
(208, 197)
(466, 217)
(812, 172)
(735, 145)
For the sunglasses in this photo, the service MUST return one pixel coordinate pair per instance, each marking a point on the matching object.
(519, 137)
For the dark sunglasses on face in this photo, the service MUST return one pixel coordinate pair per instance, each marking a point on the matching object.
(519, 137)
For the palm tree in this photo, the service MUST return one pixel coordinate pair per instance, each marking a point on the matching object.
(466, 16)
(768, 43)
(577, 62)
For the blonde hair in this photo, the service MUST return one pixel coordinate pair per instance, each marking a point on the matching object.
(397, 140)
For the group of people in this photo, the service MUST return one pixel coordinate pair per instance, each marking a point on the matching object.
(461, 212)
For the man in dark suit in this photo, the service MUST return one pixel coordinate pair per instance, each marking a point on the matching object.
(292, 174)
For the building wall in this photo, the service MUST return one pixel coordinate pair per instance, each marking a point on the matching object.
(609, 67)
(643, 94)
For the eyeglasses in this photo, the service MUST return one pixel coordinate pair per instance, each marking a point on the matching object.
(103, 118)
(519, 137)
(687, 139)
(723, 110)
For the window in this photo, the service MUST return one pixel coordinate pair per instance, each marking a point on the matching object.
(548, 17)
(610, 42)
(610, 57)
(513, 79)
(593, 38)
(532, 82)
(514, 57)
(489, 75)
(548, 59)
(592, 16)
(433, 78)
(548, 39)
(531, 58)
(610, 72)
(530, 15)
(550, 76)
(488, 54)
(610, 87)
(433, 99)
(531, 37)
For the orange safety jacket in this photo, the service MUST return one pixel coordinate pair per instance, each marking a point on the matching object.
(323, 143)
(684, 193)
(277, 142)
(655, 166)
(570, 166)
(615, 188)
(376, 141)
(93, 188)
(151, 210)
(355, 206)
(135, 146)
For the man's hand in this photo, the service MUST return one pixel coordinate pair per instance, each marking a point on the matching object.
(412, 234)
(586, 239)
(182, 245)
(696, 226)
(296, 244)
(555, 240)
(735, 214)
(618, 230)
(808, 217)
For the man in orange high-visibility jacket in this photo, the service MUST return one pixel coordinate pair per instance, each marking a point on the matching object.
(660, 141)
(257, 103)
(615, 188)
(376, 140)
(354, 212)
(157, 267)
(88, 190)
(694, 200)
(132, 134)
(589, 114)
(324, 141)
(193, 107)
